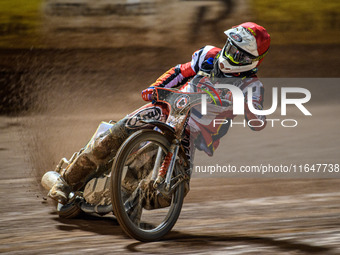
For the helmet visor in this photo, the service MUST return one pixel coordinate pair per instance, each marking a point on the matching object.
(237, 56)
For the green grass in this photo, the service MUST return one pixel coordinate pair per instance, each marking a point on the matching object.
(20, 22)
(20, 7)
(299, 21)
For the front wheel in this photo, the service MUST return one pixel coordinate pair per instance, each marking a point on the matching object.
(144, 212)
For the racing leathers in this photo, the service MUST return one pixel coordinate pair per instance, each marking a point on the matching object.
(203, 73)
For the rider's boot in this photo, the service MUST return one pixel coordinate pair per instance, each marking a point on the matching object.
(60, 191)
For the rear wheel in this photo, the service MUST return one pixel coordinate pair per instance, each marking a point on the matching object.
(68, 211)
(144, 212)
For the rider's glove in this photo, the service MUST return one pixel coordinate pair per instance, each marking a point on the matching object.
(147, 94)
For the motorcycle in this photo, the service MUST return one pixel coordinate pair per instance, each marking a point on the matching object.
(145, 183)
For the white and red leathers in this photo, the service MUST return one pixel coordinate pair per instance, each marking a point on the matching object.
(201, 66)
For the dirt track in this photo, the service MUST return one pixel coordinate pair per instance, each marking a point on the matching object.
(247, 216)
(238, 216)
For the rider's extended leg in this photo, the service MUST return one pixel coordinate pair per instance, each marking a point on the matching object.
(86, 164)
(104, 147)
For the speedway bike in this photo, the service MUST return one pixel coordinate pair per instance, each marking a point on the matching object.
(145, 183)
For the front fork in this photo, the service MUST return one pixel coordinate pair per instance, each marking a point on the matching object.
(165, 170)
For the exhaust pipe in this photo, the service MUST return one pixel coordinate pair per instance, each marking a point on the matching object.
(49, 179)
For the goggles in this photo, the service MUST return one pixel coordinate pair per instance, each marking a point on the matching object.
(238, 56)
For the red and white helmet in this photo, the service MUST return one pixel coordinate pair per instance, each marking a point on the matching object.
(246, 46)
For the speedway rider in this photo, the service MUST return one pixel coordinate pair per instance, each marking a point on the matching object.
(246, 46)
